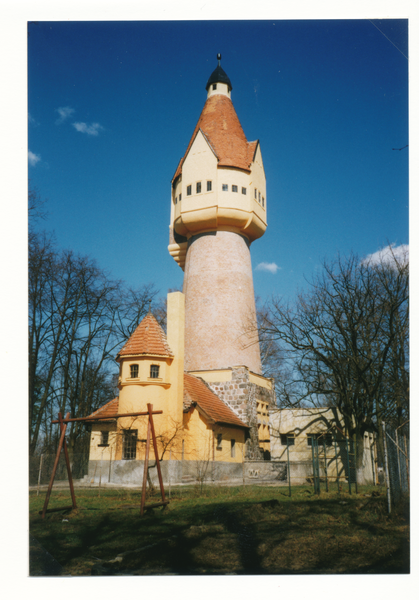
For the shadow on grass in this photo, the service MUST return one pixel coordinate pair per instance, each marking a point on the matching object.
(242, 535)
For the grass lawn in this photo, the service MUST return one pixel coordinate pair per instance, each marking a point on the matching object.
(251, 530)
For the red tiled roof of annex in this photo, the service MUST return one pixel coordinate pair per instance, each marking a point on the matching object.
(197, 392)
(110, 409)
(221, 126)
(148, 338)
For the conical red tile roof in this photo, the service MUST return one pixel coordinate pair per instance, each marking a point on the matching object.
(221, 127)
(195, 391)
(148, 338)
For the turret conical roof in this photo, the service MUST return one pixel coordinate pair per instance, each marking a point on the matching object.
(149, 338)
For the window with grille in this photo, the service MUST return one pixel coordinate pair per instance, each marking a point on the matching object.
(259, 198)
(322, 438)
(189, 190)
(214, 86)
(134, 371)
(154, 371)
(256, 194)
(219, 441)
(234, 188)
(287, 438)
(244, 191)
(233, 448)
(129, 444)
(198, 187)
(176, 200)
(209, 186)
(104, 438)
(225, 187)
(263, 202)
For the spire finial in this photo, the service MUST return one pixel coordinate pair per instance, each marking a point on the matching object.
(219, 59)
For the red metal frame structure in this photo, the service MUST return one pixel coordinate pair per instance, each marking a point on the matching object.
(62, 445)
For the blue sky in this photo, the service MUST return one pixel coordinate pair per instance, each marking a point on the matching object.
(113, 105)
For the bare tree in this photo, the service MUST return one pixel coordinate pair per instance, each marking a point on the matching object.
(78, 318)
(345, 341)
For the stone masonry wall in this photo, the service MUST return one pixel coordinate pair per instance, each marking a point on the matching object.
(241, 396)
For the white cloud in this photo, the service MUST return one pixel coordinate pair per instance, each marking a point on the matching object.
(32, 121)
(388, 255)
(271, 267)
(33, 158)
(65, 112)
(92, 129)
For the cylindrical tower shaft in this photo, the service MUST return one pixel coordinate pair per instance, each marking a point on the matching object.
(220, 311)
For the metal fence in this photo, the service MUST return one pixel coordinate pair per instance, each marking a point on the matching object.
(325, 461)
(396, 462)
(40, 468)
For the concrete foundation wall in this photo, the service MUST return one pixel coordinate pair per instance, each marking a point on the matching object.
(130, 472)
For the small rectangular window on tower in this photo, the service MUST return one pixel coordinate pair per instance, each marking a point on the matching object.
(219, 441)
(189, 190)
(154, 371)
(256, 194)
(234, 188)
(263, 202)
(214, 86)
(209, 186)
(180, 197)
(233, 448)
(225, 187)
(198, 187)
(176, 200)
(134, 371)
(244, 191)
(259, 198)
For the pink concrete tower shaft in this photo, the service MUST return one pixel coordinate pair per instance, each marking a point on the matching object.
(219, 303)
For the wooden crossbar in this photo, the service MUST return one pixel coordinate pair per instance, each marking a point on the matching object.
(151, 434)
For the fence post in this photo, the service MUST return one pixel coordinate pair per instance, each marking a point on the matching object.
(372, 458)
(407, 462)
(170, 479)
(398, 461)
(325, 463)
(110, 464)
(314, 468)
(100, 472)
(337, 465)
(386, 471)
(39, 474)
(355, 473)
(349, 466)
(317, 466)
(289, 470)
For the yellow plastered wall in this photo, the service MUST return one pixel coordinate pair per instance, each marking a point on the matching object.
(97, 450)
(201, 441)
(218, 208)
(258, 183)
(176, 341)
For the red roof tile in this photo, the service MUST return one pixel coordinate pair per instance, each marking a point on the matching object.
(110, 409)
(148, 338)
(221, 126)
(197, 392)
